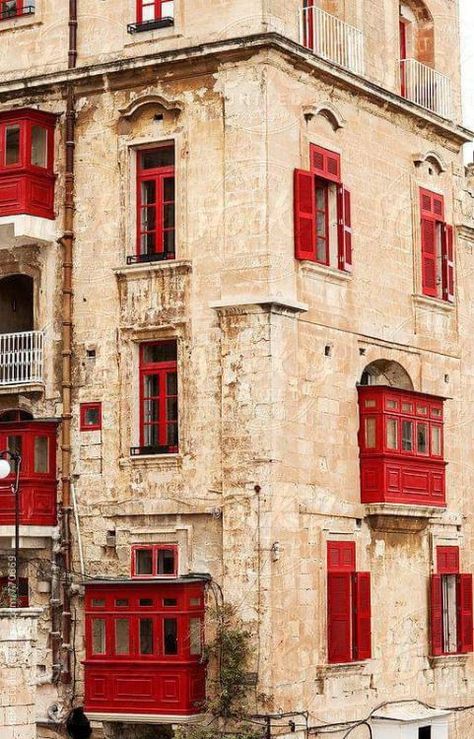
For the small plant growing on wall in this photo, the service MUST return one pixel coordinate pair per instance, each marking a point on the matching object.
(227, 708)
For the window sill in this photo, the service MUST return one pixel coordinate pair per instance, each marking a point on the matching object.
(425, 302)
(349, 668)
(144, 268)
(152, 25)
(448, 660)
(25, 20)
(153, 461)
(329, 273)
(159, 34)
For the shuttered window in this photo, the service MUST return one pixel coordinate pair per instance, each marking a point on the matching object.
(437, 248)
(323, 227)
(349, 609)
(451, 607)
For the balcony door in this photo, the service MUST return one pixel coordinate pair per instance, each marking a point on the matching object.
(16, 304)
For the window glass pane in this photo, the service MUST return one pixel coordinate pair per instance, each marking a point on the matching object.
(195, 601)
(14, 445)
(146, 636)
(148, 12)
(168, 602)
(422, 438)
(167, 9)
(148, 192)
(164, 351)
(169, 216)
(370, 433)
(422, 410)
(170, 635)
(41, 454)
(370, 404)
(98, 603)
(169, 242)
(122, 636)
(163, 156)
(436, 412)
(407, 436)
(195, 636)
(12, 145)
(436, 440)
(91, 416)
(98, 636)
(172, 434)
(121, 602)
(143, 562)
(39, 140)
(166, 562)
(392, 404)
(143, 602)
(450, 640)
(407, 407)
(148, 243)
(169, 189)
(392, 434)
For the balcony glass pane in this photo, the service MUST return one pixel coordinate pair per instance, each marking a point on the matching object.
(146, 636)
(41, 454)
(12, 145)
(122, 636)
(392, 433)
(14, 445)
(144, 562)
(166, 563)
(39, 146)
(407, 436)
(436, 440)
(370, 433)
(422, 438)
(195, 647)
(98, 636)
(170, 635)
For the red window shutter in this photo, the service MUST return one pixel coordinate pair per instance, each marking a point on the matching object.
(339, 617)
(428, 256)
(465, 623)
(436, 616)
(305, 219)
(325, 164)
(448, 263)
(447, 559)
(361, 616)
(344, 229)
(341, 556)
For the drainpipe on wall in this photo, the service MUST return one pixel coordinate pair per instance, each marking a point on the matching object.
(67, 242)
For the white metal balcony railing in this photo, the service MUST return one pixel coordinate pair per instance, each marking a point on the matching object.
(332, 39)
(426, 87)
(21, 358)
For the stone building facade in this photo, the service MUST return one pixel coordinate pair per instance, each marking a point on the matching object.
(261, 477)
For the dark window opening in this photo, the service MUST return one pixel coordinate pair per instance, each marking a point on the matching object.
(424, 732)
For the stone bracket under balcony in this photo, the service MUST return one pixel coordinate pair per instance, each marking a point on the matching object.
(22, 230)
(31, 537)
(397, 517)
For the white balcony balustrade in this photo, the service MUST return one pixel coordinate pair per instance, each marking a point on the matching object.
(332, 39)
(426, 87)
(21, 358)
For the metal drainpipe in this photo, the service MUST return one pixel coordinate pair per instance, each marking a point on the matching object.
(67, 242)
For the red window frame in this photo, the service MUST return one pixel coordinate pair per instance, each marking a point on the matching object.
(348, 606)
(23, 7)
(447, 563)
(84, 409)
(162, 370)
(158, 9)
(433, 224)
(158, 209)
(324, 172)
(154, 549)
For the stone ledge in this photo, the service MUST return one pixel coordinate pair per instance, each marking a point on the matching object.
(434, 303)
(268, 303)
(342, 668)
(140, 269)
(153, 461)
(144, 718)
(448, 660)
(329, 274)
(33, 387)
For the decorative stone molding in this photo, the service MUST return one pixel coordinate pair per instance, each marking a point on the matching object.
(146, 101)
(326, 110)
(433, 157)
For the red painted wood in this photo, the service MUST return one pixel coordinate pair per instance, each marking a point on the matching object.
(362, 638)
(85, 408)
(150, 10)
(448, 263)
(163, 372)
(344, 229)
(339, 617)
(305, 215)
(325, 164)
(341, 556)
(25, 187)
(154, 549)
(436, 615)
(465, 616)
(156, 683)
(447, 560)
(156, 228)
(37, 489)
(399, 475)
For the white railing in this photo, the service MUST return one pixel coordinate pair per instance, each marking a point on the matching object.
(332, 39)
(426, 87)
(21, 358)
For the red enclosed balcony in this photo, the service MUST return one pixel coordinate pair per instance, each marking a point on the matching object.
(401, 447)
(26, 163)
(35, 441)
(144, 650)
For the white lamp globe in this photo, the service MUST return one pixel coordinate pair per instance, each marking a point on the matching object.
(5, 468)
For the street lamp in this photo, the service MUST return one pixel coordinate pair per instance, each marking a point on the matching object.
(6, 459)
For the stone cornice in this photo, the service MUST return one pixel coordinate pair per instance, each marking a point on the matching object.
(267, 304)
(91, 77)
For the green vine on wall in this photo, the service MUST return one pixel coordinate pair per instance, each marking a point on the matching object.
(227, 707)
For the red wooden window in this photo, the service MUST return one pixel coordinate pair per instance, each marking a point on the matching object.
(323, 229)
(7, 593)
(349, 610)
(155, 560)
(158, 398)
(403, 25)
(144, 644)
(91, 416)
(15, 8)
(156, 203)
(451, 607)
(437, 248)
(27, 163)
(35, 441)
(152, 10)
(401, 446)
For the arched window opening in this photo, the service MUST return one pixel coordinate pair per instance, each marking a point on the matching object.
(16, 304)
(14, 415)
(386, 372)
